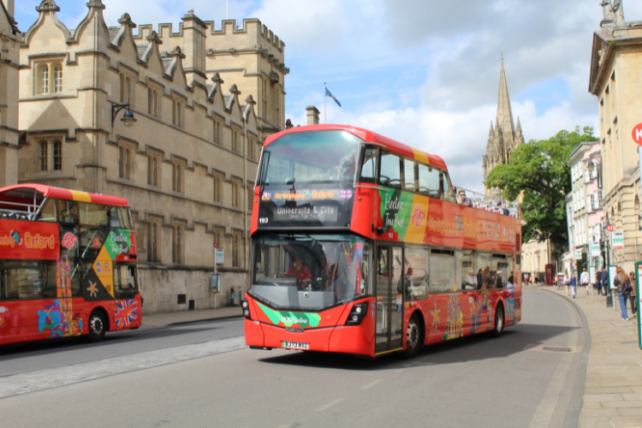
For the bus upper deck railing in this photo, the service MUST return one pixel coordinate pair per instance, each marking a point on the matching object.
(486, 203)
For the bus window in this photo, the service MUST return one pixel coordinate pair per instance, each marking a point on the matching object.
(48, 211)
(442, 271)
(390, 174)
(49, 288)
(366, 285)
(409, 175)
(485, 277)
(428, 181)
(93, 215)
(465, 270)
(125, 281)
(119, 218)
(369, 166)
(67, 212)
(446, 189)
(417, 272)
(22, 280)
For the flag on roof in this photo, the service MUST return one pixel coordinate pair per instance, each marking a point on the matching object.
(329, 94)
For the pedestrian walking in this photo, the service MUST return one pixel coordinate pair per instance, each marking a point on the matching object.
(573, 284)
(584, 280)
(633, 294)
(567, 283)
(604, 281)
(620, 285)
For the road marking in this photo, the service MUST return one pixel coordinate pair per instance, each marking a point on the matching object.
(371, 384)
(327, 406)
(290, 426)
(25, 383)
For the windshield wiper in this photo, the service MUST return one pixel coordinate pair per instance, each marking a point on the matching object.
(291, 181)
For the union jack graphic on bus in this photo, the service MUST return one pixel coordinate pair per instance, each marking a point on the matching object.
(126, 312)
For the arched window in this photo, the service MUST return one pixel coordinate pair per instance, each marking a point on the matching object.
(43, 156)
(121, 162)
(57, 156)
(43, 84)
(57, 86)
(179, 115)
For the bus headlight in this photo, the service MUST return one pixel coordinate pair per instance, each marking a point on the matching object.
(357, 314)
(246, 309)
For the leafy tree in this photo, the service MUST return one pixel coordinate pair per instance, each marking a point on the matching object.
(540, 172)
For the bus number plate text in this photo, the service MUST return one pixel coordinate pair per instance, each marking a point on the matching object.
(295, 345)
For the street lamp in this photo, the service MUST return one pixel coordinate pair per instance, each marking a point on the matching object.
(590, 166)
(128, 118)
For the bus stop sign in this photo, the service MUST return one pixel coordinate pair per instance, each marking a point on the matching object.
(637, 134)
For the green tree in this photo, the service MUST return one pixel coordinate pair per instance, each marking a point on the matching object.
(540, 172)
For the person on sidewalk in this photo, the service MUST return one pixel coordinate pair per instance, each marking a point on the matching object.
(633, 295)
(573, 284)
(620, 285)
(567, 283)
(604, 281)
(584, 280)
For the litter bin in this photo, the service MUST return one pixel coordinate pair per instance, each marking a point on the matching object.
(235, 296)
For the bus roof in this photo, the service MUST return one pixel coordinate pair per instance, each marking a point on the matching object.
(26, 191)
(368, 137)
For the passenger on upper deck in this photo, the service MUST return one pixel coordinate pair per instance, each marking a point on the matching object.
(462, 199)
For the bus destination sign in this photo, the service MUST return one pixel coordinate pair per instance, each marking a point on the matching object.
(287, 207)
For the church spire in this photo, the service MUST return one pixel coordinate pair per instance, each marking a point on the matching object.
(504, 111)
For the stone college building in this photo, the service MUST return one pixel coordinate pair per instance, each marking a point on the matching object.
(204, 99)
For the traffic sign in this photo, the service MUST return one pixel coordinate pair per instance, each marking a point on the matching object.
(215, 244)
(609, 228)
(637, 134)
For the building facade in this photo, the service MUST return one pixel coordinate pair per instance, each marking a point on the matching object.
(203, 100)
(503, 139)
(585, 214)
(9, 64)
(616, 81)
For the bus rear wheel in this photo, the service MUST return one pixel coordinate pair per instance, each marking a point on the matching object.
(97, 326)
(499, 321)
(413, 337)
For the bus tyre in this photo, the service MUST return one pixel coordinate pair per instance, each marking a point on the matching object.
(97, 326)
(498, 327)
(413, 337)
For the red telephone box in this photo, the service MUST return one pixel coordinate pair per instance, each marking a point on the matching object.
(550, 274)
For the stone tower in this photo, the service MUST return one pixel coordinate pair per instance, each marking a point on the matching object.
(503, 138)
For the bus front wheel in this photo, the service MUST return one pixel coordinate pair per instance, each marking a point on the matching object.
(97, 326)
(499, 321)
(413, 337)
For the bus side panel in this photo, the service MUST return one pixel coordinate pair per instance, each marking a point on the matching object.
(125, 313)
(357, 339)
(254, 333)
(362, 212)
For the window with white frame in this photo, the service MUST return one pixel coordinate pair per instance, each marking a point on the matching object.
(49, 77)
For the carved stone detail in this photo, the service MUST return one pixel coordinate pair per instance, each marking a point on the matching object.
(48, 6)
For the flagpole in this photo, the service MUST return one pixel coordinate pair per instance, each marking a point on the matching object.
(325, 103)
(227, 9)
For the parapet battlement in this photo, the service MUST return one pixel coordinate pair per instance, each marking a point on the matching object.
(228, 27)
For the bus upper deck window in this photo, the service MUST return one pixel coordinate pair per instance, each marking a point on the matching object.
(390, 174)
(369, 165)
(67, 212)
(48, 211)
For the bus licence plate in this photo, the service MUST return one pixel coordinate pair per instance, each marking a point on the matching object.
(295, 345)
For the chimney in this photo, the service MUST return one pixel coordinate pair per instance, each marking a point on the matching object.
(313, 115)
(10, 7)
(194, 48)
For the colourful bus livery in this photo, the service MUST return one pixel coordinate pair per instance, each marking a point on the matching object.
(359, 246)
(67, 264)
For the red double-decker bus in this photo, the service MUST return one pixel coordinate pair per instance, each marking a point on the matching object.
(359, 246)
(67, 264)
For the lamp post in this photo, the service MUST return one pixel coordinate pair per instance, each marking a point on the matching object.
(128, 118)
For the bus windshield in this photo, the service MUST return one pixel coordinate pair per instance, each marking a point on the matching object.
(303, 272)
(311, 157)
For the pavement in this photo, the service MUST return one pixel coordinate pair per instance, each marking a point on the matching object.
(189, 317)
(613, 388)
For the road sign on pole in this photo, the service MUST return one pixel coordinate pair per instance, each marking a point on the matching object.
(609, 228)
(637, 134)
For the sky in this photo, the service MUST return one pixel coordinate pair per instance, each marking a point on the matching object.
(423, 72)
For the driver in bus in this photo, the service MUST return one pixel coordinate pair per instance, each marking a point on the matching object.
(300, 271)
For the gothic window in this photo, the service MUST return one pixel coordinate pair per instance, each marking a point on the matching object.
(178, 244)
(125, 161)
(177, 113)
(153, 100)
(218, 187)
(125, 89)
(44, 145)
(153, 241)
(43, 75)
(57, 86)
(57, 156)
(236, 249)
(236, 194)
(178, 176)
(153, 169)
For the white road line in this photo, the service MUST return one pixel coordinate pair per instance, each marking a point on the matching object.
(327, 406)
(371, 384)
(53, 378)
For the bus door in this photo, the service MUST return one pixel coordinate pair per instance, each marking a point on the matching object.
(389, 308)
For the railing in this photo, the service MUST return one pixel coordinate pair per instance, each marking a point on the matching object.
(18, 211)
(487, 203)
